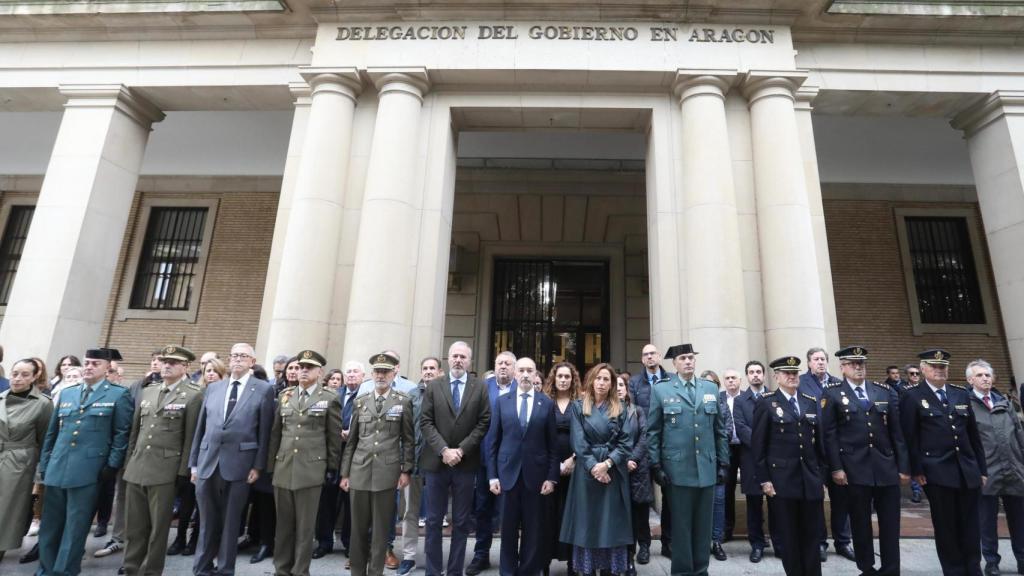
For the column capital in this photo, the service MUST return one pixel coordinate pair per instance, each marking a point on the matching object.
(805, 96)
(690, 83)
(343, 80)
(410, 80)
(759, 84)
(301, 93)
(988, 109)
(118, 96)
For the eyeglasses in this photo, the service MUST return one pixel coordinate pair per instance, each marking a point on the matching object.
(238, 356)
(913, 373)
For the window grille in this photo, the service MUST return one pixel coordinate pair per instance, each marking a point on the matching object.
(169, 258)
(11, 247)
(945, 275)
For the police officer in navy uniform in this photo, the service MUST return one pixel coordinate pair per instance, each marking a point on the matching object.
(947, 460)
(866, 454)
(85, 444)
(787, 447)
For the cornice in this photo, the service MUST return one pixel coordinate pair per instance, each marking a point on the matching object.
(989, 109)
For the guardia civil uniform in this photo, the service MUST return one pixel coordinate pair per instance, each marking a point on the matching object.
(305, 447)
(945, 447)
(864, 440)
(87, 439)
(161, 440)
(380, 448)
(786, 442)
(688, 442)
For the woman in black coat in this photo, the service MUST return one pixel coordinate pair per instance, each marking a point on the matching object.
(563, 386)
(640, 491)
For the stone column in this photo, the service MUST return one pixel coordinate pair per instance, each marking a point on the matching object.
(805, 95)
(380, 312)
(59, 299)
(714, 279)
(789, 267)
(303, 300)
(301, 93)
(995, 138)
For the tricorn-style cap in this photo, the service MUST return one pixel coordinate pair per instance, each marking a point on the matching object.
(785, 364)
(935, 356)
(107, 354)
(311, 358)
(679, 350)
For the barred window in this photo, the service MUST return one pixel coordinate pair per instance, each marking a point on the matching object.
(169, 259)
(945, 276)
(11, 247)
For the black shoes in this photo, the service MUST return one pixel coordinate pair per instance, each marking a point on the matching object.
(176, 548)
(321, 551)
(756, 554)
(100, 531)
(846, 551)
(824, 552)
(915, 496)
(30, 556)
(477, 566)
(666, 549)
(643, 554)
(717, 552)
(262, 554)
(992, 569)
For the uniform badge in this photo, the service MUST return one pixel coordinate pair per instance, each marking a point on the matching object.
(823, 402)
(709, 398)
(846, 401)
(924, 403)
(778, 411)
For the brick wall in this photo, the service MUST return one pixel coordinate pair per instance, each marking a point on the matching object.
(872, 304)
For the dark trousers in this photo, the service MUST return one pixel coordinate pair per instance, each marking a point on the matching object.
(485, 509)
(345, 511)
(641, 516)
(666, 518)
(522, 528)
(692, 510)
(955, 521)
(886, 502)
(439, 485)
(797, 520)
(327, 514)
(64, 527)
(221, 504)
(755, 522)
(988, 508)
(105, 501)
(730, 488)
(839, 516)
(186, 493)
(262, 518)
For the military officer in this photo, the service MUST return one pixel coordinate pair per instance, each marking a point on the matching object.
(689, 451)
(947, 460)
(85, 444)
(161, 439)
(305, 448)
(866, 453)
(788, 457)
(378, 459)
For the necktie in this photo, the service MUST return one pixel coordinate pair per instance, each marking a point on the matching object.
(688, 387)
(941, 393)
(456, 400)
(348, 398)
(522, 411)
(792, 404)
(86, 390)
(987, 401)
(303, 396)
(232, 398)
(380, 403)
(860, 396)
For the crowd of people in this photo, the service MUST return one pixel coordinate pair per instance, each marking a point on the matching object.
(567, 466)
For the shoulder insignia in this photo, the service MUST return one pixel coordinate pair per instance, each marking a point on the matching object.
(809, 397)
(193, 386)
(960, 386)
(364, 394)
(882, 385)
(401, 394)
(833, 384)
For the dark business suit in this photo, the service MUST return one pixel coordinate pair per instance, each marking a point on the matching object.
(223, 453)
(486, 504)
(735, 447)
(444, 426)
(743, 417)
(640, 387)
(945, 447)
(839, 517)
(522, 460)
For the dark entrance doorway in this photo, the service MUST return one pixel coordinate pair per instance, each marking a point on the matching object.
(551, 311)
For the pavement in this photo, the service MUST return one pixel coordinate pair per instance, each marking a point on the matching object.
(917, 556)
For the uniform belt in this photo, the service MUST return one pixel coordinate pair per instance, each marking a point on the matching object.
(16, 445)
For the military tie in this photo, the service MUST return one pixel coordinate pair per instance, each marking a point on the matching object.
(688, 387)
(86, 390)
(860, 396)
(303, 396)
(941, 393)
(523, 407)
(456, 399)
(793, 405)
(380, 402)
(232, 398)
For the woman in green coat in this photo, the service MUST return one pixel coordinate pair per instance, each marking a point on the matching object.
(24, 416)
(597, 513)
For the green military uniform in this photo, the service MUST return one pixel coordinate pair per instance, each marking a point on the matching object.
(380, 448)
(687, 441)
(86, 440)
(161, 440)
(305, 444)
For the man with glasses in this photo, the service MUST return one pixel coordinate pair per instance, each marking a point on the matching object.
(228, 455)
(640, 386)
(913, 379)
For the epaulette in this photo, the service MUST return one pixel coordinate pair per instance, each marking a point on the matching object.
(285, 391)
(363, 395)
(960, 386)
(881, 385)
(809, 397)
(400, 393)
(194, 386)
(909, 385)
(116, 385)
(148, 384)
(833, 384)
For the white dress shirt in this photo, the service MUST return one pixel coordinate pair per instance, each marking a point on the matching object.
(790, 404)
(241, 389)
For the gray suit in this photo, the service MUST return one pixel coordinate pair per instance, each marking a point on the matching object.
(223, 452)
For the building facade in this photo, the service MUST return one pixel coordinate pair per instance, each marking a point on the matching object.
(568, 181)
